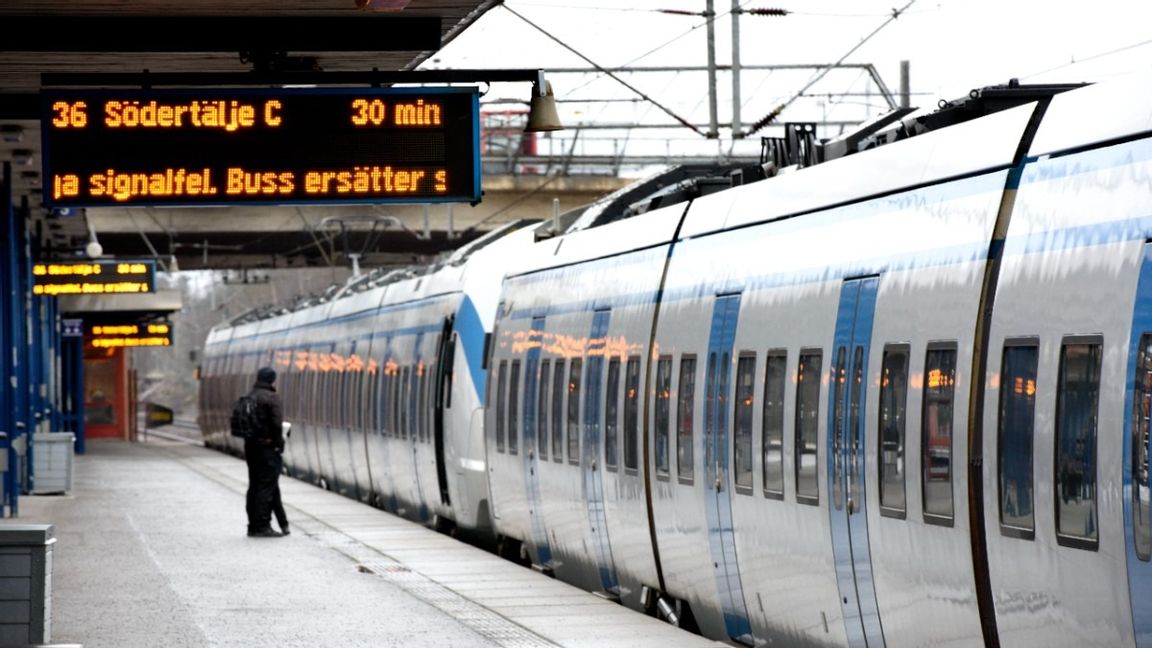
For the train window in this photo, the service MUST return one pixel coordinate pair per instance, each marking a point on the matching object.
(308, 409)
(396, 405)
(574, 374)
(742, 429)
(936, 432)
(320, 409)
(307, 386)
(808, 373)
(685, 418)
(893, 410)
(663, 411)
(358, 417)
(365, 382)
(631, 413)
(328, 412)
(336, 396)
(542, 410)
(420, 399)
(405, 401)
(403, 410)
(347, 398)
(429, 401)
(392, 411)
(611, 414)
(415, 377)
(1077, 407)
(1015, 434)
(501, 391)
(382, 386)
(1141, 411)
(425, 414)
(775, 375)
(558, 390)
(514, 408)
(287, 391)
(343, 413)
(412, 387)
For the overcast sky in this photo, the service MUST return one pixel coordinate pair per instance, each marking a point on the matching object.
(952, 46)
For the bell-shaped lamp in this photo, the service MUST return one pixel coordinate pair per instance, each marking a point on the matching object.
(542, 111)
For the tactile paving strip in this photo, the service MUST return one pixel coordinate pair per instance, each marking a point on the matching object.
(473, 615)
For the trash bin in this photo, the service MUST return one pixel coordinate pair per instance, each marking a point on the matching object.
(26, 584)
(52, 462)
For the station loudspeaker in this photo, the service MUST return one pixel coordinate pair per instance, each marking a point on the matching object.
(542, 112)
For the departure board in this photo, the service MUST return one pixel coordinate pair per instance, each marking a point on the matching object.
(109, 336)
(286, 146)
(93, 277)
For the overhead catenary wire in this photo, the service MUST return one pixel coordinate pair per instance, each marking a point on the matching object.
(604, 70)
(1093, 57)
(821, 73)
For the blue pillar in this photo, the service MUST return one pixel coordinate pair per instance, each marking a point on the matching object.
(11, 303)
(72, 388)
(25, 382)
(52, 365)
(6, 306)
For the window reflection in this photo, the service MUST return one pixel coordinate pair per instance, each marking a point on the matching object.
(1077, 404)
(1016, 433)
(936, 434)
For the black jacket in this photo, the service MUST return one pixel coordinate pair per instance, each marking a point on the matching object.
(270, 413)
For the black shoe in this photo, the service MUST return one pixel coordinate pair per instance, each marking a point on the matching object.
(265, 533)
(284, 530)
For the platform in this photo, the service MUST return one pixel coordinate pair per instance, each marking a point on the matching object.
(152, 551)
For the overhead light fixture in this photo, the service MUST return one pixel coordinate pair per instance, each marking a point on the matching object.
(22, 157)
(542, 114)
(12, 133)
(94, 250)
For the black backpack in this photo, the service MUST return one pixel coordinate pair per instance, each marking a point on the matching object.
(245, 422)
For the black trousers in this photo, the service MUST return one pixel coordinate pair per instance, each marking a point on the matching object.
(263, 500)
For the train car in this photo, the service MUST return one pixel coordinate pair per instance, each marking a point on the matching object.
(382, 381)
(887, 389)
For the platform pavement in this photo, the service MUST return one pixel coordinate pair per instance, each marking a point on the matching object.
(151, 551)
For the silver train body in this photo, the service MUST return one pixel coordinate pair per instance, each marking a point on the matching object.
(900, 397)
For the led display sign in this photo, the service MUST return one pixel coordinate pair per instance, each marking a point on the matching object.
(93, 277)
(108, 336)
(260, 146)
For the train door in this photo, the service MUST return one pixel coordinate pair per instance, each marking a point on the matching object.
(442, 400)
(413, 380)
(592, 481)
(543, 552)
(1137, 493)
(846, 474)
(717, 494)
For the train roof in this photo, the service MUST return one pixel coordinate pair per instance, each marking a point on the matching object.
(377, 278)
(796, 149)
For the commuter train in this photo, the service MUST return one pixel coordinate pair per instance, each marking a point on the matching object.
(891, 388)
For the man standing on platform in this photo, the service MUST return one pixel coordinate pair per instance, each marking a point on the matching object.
(262, 451)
